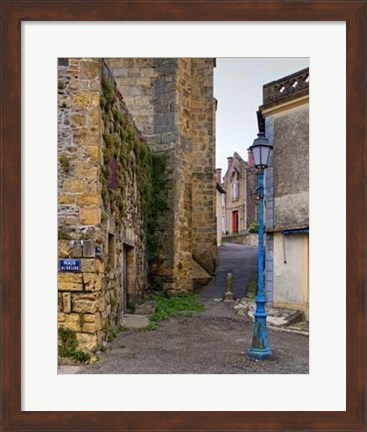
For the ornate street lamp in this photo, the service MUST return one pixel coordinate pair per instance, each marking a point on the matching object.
(260, 349)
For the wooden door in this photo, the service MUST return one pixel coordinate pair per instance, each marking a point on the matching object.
(235, 222)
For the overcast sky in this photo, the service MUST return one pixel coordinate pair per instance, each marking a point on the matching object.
(238, 86)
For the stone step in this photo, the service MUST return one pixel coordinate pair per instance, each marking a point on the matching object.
(135, 321)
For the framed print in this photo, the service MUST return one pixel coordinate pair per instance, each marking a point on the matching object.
(34, 36)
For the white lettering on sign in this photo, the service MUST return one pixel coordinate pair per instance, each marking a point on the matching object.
(69, 265)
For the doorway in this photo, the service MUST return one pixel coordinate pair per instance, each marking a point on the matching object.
(128, 276)
(235, 222)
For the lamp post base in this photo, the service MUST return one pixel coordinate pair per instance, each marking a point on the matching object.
(258, 354)
(259, 349)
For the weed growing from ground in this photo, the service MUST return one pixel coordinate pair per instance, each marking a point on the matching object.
(181, 305)
(68, 344)
(252, 289)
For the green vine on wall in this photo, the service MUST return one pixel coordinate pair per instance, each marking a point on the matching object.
(136, 161)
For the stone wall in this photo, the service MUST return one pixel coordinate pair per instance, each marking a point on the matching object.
(241, 238)
(99, 202)
(203, 108)
(172, 103)
(291, 161)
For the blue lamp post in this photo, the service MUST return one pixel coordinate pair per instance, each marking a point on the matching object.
(260, 349)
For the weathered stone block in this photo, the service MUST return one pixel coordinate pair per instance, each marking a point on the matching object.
(70, 220)
(89, 249)
(90, 215)
(86, 170)
(69, 321)
(85, 99)
(102, 304)
(66, 199)
(66, 301)
(70, 282)
(84, 305)
(88, 265)
(92, 323)
(88, 199)
(94, 153)
(69, 249)
(100, 267)
(92, 282)
(73, 185)
(78, 120)
(87, 342)
(94, 119)
(144, 82)
(84, 138)
(89, 69)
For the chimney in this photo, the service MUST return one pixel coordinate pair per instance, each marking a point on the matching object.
(250, 158)
(229, 159)
(218, 175)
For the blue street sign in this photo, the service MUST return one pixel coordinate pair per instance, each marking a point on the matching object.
(69, 265)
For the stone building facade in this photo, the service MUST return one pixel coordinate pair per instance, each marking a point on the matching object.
(172, 103)
(285, 120)
(239, 183)
(118, 120)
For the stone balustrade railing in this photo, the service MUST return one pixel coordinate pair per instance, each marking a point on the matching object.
(288, 87)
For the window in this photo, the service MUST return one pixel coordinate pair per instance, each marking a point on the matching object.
(235, 190)
(223, 200)
(235, 185)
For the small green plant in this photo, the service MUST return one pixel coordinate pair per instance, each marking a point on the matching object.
(102, 102)
(150, 327)
(130, 307)
(252, 289)
(253, 228)
(68, 346)
(111, 336)
(113, 302)
(181, 305)
(67, 342)
(64, 163)
(112, 333)
(108, 90)
(81, 356)
(117, 116)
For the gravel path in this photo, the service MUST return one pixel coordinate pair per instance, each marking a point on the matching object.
(211, 342)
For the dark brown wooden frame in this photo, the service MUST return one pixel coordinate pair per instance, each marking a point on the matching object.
(13, 13)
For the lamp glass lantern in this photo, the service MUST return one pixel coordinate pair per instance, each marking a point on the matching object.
(261, 151)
